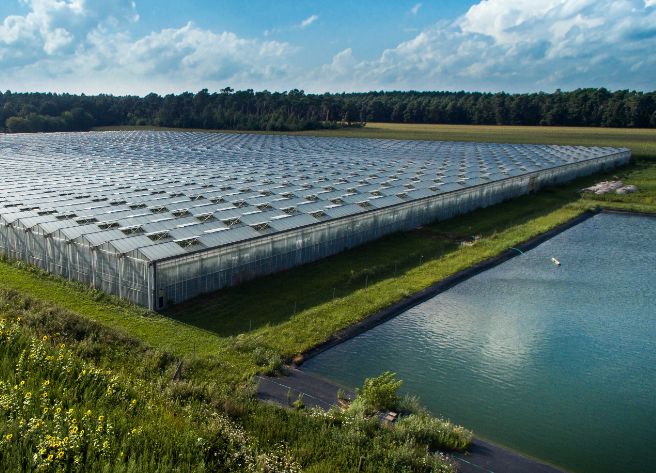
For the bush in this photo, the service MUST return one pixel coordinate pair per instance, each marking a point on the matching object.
(380, 393)
(298, 403)
(267, 359)
(436, 433)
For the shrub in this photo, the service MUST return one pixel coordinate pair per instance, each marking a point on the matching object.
(380, 392)
(298, 403)
(410, 405)
(434, 432)
(268, 359)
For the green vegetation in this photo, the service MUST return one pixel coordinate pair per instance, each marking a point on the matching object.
(76, 395)
(295, 110)
(380, 393)
(87, 398)
(434, 432)
(218, 342)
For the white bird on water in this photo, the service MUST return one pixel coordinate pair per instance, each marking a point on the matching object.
(555, 261)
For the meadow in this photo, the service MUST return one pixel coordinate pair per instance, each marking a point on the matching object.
(197, 360)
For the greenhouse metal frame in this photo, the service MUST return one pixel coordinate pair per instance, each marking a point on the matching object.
(160, 217)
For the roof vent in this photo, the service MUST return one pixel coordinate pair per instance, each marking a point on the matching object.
(231, 222)
(133, 230)
(158, 236)
(206, 217)
(158, 209)
(188, 242)
(261, 226)
(181, 213)
(108, 225)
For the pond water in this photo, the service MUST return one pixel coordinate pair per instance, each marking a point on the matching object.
(558, 363)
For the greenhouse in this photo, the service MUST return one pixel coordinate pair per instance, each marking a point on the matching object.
(161, 217)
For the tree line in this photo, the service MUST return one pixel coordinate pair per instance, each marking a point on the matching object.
(295, 110)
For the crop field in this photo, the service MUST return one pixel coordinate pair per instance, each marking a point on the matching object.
(223, 339)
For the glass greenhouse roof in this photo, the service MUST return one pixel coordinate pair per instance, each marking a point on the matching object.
(165, 194)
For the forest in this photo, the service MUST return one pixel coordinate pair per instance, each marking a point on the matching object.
(296, 110)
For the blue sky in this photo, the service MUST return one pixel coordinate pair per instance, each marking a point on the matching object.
(126, 46)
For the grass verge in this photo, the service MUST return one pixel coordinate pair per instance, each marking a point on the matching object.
(78, 396)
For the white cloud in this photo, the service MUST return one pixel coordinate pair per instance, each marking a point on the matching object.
(415, 9)
(201, 54)
(298, 26)
(53, 27)
(87, 46)
(513, 45)
(308, 21)
(520, 45)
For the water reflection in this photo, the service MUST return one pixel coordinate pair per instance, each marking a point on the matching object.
(558, 362)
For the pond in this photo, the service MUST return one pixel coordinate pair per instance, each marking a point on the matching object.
(556, 362)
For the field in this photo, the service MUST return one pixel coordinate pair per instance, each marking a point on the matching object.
(225, 338)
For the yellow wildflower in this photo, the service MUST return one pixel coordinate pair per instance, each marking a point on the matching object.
(45, 337)
(101, 418)
(50, 457)
(60, 454)
(9, 436)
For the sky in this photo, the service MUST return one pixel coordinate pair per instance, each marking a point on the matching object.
(167, 46)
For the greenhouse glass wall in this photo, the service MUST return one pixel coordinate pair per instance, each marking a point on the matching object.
(161, 217)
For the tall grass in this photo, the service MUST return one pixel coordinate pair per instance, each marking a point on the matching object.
(77, 396)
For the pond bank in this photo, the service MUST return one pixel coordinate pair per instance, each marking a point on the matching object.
(315, 391)
(440, 286)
